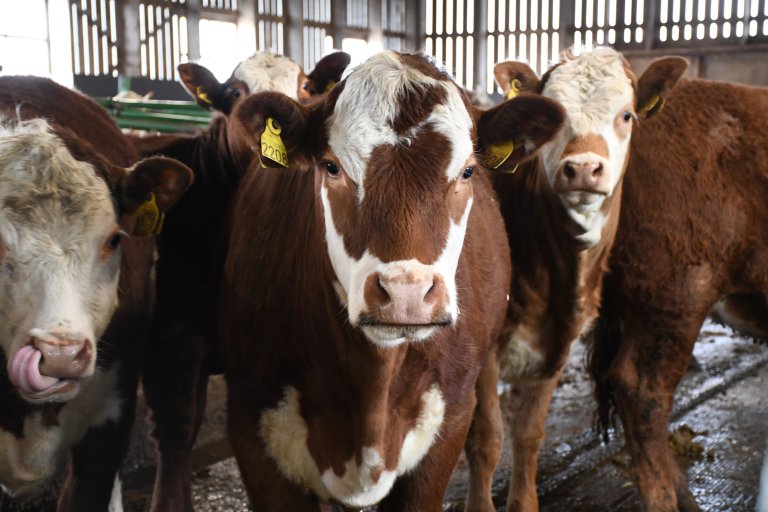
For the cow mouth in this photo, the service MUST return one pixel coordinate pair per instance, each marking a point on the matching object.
(24, 373)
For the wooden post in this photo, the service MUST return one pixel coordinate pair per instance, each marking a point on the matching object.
(415, 24)
(128, 43)
(338, 21)
(193, 29)
(481, 43)
(375, 30)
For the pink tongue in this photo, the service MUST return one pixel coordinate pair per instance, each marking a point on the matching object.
(24, 371)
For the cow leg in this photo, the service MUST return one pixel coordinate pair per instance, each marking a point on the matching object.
(95, 463)
(644, 376)
(175, 386)
(423, 489)
(485, 440)
(526, 413)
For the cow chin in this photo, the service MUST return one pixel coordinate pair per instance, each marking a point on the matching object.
(390, 336)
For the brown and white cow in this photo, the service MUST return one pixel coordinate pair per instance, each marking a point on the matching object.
(692, 239)
(176, 371)
(561, 212)
(364, 286)
(77, 291)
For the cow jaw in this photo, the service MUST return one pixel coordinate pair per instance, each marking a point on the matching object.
(586, 161)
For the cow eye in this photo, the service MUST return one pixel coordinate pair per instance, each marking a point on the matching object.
(306, 86)
(236, 92)
(467, 173)
(333, 169)
(627, 116)
(113, 242)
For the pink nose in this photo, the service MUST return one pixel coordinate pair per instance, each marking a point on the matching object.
(588, 176)
(63, 356)
(406, 298)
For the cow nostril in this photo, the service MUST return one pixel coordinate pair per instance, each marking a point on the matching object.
(431, 290)
(598, 170)
(382, 290)
(569, 171)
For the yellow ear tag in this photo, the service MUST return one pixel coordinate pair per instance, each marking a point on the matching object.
(330, 86)
(514, 89)
(498, 154)
(203, 96)
(149, 218)
(653, 106)
(273, 152)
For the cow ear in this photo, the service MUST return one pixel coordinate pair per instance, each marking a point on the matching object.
(148, 190)
(277, 128)
(203, 86)
(512, 133)
(515, 77)
(656, 82)
(328, 71)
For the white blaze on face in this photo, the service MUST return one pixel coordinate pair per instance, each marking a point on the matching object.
(362, 120)
(264, 72)
(55, 215)
(595, 91)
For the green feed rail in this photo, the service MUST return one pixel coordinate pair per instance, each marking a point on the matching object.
(156, 115)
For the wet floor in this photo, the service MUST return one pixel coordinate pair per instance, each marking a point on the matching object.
(720, 427)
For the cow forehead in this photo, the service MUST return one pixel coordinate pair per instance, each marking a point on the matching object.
(592, 88)
(267, 72)
(42, 185)
(375, 100)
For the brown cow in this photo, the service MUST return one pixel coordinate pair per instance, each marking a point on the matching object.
(364, 286)
(692, 239)
(176, 370)
(561, 212)
(77, 292)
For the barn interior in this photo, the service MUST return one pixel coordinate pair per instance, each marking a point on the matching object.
(110, 48)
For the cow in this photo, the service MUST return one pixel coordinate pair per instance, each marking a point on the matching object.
(176, 372)
(561, 211)
(77, 225)
(692, 240)
(364, 285)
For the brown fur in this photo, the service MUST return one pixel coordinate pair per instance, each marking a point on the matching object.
(175, 373)
(692, 232)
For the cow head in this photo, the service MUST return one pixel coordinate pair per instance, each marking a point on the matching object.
(259, 73)
(394, 148)
(64, 211)
(603, 100)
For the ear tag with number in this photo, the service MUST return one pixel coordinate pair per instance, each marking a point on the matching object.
(514, 89)
(330, 86)
(498, 154)
(202, 95)
(273, 152)
(149, 218)
(652, 106)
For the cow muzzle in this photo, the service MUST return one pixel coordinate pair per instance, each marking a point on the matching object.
(405, 305)
(51, 366)
(583, 174)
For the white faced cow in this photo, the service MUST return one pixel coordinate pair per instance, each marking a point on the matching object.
(561, 213)
(364, 285)
(75, 289)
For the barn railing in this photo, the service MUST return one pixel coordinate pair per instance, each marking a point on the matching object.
(154, 115)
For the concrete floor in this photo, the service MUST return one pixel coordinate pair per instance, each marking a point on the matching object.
(723, 401)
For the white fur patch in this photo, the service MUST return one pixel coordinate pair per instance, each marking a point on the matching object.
(27, 461)
(593, 88)
(519, 359)
(285, 434)
(264, 71)
(741, 324)
(116, 500)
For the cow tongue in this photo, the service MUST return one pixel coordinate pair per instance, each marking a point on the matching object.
(24, 372)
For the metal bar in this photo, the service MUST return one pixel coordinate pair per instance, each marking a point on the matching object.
(481, 43)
